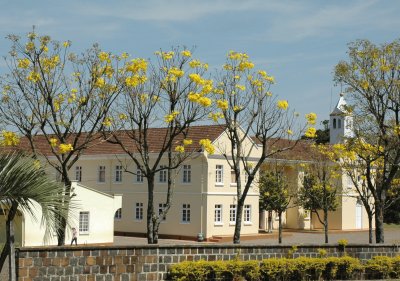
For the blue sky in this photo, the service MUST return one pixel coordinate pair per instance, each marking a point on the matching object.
(299, 42)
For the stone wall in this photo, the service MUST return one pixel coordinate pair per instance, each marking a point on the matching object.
(137, 263)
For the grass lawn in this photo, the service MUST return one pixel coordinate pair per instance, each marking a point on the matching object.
(391, 226)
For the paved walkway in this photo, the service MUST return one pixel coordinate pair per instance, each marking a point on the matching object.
(392, 236)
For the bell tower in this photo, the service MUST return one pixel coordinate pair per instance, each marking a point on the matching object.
(340, 122)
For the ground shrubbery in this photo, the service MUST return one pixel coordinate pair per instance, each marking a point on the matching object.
(302, 268)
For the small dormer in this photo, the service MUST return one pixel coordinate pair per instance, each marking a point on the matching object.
(341, 122)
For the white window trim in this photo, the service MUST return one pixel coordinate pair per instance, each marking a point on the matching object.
(232, 222)
(115, 175)
(221, 222)
(164, 220)
(244, 215)
(219, 168)
(78, 172)
(88, 223)
(190, 216)
(183, 173)
(136, 176)
(136, 208)
(98, 174)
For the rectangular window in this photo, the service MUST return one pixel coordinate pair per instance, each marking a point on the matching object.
(233, 177)
(232, 214)
(139, 175)
(139, 211)
(218, 214)
(118, 173)
(187, 173)
(185, 213)
(247, 213)
(83, 222)
(78, 173)
(219, 174)
(118, 214)
(163, 174)
(102, 174)
(161, 208)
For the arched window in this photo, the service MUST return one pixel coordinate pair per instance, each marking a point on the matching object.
(334, 123)
(118, 214)
(339, 123)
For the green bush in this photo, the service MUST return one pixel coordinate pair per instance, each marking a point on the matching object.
(302, 268)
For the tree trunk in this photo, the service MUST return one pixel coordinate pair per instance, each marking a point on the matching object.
(238, 225)
(150, 211)
(370, 236)
(269, 221)
(11, 245)
(6, 249)
(280, 228)
(379, 231)
(63, 221)
(326, 225)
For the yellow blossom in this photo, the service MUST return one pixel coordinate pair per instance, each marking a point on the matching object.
(289, 132)
(187, 142)
(53, 142)
(207, 145)
(240, 87)
(222, 104)
(171, 117)
(107, 121)
(180, 149)
(282, 104)
(155, 98)
(176, 72)
(36, 164)
(243, 65)
(216, 116)
(143, 97)
(237, 108)
(204, 101)
(193, 97)
(311, 132)
(194, 63)
(65, 148)
(364, 84)
(124, 55)
(167, 55)
(33, 76)
(311, 118)
(9, 138)
(103, 56)
(186, 53)
(100, 82)
(123, 116)
(30, 46)
(23, 63)
(196, 78)
(66, 44)
(136, 65)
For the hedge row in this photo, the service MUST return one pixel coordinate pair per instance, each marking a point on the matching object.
(302, 268)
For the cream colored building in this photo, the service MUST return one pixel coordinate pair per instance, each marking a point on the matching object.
(92, 216)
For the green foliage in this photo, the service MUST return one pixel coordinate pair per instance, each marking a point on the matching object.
(379, 267)
(302, 268)
(274, 191)
(322, 253)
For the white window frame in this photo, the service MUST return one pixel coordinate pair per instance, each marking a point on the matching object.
(185, 213)
(84, 222)
(118, 214)
(139, 175)
(247, 214)
(78, 173)
(219, 174)
(118, 174)
(218, 214)
(101, 171)
(163, 175)
(161, 208)
(187, 174)
(232, 214)
(233, 178)
(139, 211)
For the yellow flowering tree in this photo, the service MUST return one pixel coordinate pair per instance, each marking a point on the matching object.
(173, 92)
(320, 188)
(57, 100)
(245, 105)
(372, 77)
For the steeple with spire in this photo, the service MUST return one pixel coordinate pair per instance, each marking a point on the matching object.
(341, 122)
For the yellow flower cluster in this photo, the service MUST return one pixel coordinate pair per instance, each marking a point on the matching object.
(187, 142)
(136, 65)
(237, 108)
(165, 55)
(49, 63)
(197, 63)
(171, 117)
(237, 56)
(33, 77)
(8, 138)
(207, 145)
(103, 56)
(122, 116)
(174, 73)
(66, 44)
(135, 80)
(65, 148)
(289, 132)
(186, 53)
(100, 82)
(243, 65)
(282, 104)
(216, 116)
(222, 104)
(29, 47)
(53, 142)
(200, 99)
(364, 84)
(266, 77)
(311, 132)
(107, 121)
(24, 63)
(180, 149)
(311, 118)
(241, 87)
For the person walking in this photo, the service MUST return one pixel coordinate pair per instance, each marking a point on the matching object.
(74, 237)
